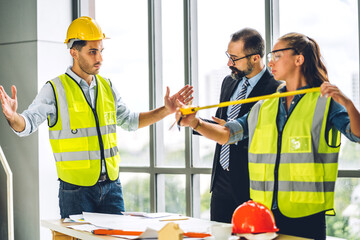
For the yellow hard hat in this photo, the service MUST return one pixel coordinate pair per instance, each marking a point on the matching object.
(84, 28)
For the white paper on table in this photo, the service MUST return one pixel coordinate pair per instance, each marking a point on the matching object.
(258, 236)
(122, 222)
(159, 215)
(162, 216)
(67, 220)
(132, 223)
(139, 214)
(84, 227)
(195, 225)
(149, 233)
(149, 215)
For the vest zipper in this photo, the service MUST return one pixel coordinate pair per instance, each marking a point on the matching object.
(102, 154)
(274, 204)
(101, 144)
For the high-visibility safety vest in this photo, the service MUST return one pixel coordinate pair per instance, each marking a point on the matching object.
(298, 166)
(83, 135)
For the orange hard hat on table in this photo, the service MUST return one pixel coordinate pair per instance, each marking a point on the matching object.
(84, 28)
(253, 217)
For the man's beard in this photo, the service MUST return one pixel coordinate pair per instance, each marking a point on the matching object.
(237, 74)
(88, 68)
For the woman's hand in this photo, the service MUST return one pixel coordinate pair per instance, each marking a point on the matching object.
(330, 90)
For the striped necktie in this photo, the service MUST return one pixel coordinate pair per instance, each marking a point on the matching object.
(234, 112)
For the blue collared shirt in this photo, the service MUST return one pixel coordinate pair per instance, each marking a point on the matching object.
(338, 117)
(252, 82)
(44, 105)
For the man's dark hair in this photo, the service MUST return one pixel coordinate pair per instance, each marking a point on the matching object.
(253, 41)
(78, 45)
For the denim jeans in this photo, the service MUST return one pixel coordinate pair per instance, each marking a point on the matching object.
(103, 197)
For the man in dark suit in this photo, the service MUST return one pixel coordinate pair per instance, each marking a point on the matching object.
(230, 177)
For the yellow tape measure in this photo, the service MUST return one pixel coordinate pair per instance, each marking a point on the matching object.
(190, 110)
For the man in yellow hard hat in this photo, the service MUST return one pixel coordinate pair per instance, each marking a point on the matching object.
(83, 110)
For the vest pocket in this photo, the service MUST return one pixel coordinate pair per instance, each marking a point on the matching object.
(262, 141)
(74, 144)
(307, 183)
(79, 111)
(82, 164)
(257, 172)
(300, 144)
(307, 197)
(110, 118)
(257, 181)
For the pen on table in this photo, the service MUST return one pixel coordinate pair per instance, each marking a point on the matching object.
(174, 219)
(196, 235)
(116, 232)
(136, 233)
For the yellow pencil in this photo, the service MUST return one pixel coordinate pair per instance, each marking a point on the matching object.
(174, 219)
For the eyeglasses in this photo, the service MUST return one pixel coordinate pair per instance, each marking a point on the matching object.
(272, 56)
(237, 59)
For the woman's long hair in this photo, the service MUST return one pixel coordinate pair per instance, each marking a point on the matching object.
(313, 68)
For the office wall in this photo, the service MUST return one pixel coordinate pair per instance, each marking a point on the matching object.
(3, 205)
(31, 52)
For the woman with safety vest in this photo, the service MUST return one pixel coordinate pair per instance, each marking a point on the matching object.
(294, 141)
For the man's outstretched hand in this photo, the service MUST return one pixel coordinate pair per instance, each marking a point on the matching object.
(184, 96)
(9, 104)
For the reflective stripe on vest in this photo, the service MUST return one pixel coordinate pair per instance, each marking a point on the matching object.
(82, 136)
(306, 163)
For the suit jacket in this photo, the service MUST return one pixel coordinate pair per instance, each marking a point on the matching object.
(238, 162)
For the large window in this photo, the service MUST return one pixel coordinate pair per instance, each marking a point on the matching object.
(155, 44)
(172, 25)
(126, 64)
(214, 34)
